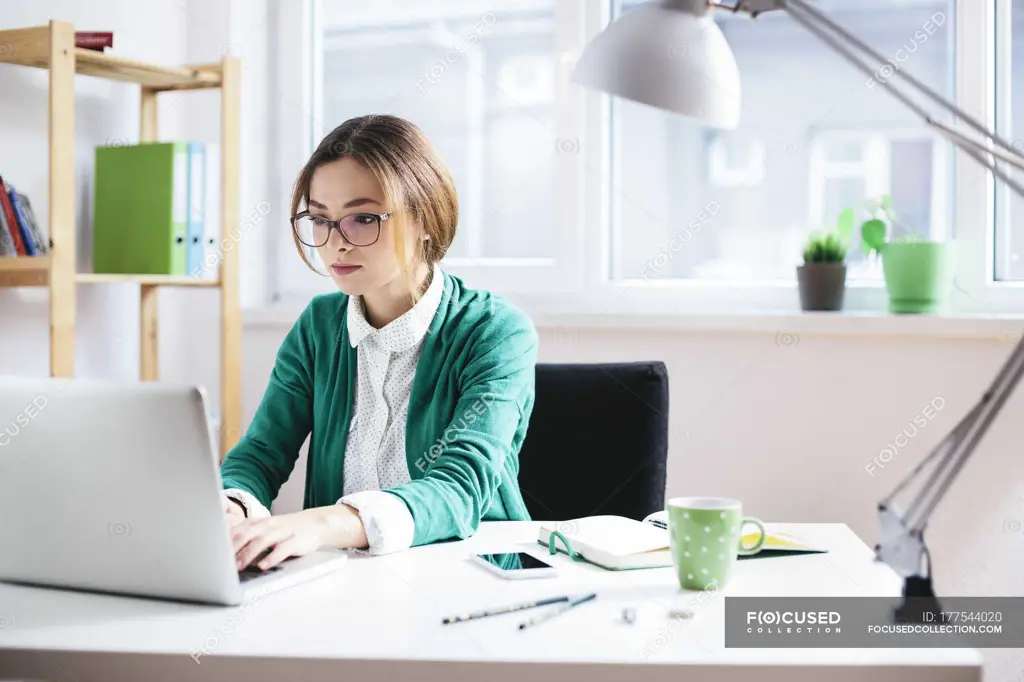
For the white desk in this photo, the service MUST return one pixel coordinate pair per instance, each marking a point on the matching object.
(380, 618)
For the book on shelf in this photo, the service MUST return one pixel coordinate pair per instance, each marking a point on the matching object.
(152, 208)
(20, 232)
(211, 247)
(8, 249)
(196, 203)
(11, 221)
(94, 40)
(40, 235)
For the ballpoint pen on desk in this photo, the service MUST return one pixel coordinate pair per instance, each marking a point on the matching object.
(547, 615)
(504, 609)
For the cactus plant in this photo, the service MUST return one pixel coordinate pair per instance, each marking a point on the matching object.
(831, 247)
(824, 248)
(822, 277)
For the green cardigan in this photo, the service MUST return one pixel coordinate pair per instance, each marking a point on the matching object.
(471, 401)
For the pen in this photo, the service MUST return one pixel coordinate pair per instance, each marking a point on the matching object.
(504, 609)
(557, 611)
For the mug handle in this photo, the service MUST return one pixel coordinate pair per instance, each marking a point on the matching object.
(746, 551)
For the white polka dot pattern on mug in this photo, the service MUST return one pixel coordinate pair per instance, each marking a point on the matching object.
(716, 530)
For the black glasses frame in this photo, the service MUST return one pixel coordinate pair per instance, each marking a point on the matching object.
(336, 225)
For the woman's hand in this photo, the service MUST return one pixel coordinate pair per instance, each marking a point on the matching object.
(233, 510)
(294, 535)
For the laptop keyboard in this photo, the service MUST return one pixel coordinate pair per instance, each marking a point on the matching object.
(247, 574)
(254, 571)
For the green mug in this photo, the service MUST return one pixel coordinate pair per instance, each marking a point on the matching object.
(705, 535)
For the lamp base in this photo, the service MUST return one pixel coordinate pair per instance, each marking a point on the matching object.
(919, 602)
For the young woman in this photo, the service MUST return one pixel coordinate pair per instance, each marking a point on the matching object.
(416, 390)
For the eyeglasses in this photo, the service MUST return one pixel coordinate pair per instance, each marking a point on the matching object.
(358, 229)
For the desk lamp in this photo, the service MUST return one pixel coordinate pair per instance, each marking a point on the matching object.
(673, 56)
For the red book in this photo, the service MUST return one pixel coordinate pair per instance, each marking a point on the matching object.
(94, 40)
(12, 220)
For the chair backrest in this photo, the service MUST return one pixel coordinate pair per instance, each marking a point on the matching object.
(597, 442)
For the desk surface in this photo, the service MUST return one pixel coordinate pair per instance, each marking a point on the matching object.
(381, 616)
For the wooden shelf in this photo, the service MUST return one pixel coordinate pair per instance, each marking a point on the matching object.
(52, 47)
(151, 280)
(25, 271)
(31, 47)
(35, 271)
(102, 65)
(24, 263)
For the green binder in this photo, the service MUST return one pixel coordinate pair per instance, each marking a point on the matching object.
(141, 209)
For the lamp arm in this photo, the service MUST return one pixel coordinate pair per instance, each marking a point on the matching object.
(821, 18)
(942, 449)
(961, 139)
(983, 157)
(840, 40)
(902, 545)
(820, 25)
(960, 444)
(970, 432)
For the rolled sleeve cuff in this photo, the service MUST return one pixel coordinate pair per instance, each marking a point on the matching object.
(387, 521)
(254, 509)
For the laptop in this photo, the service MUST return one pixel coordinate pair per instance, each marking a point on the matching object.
(114, 486)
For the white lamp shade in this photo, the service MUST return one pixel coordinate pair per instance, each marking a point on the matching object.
(672, 58)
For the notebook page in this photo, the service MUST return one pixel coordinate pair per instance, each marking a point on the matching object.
(615, 535)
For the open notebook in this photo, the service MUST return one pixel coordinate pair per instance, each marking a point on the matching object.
(775, 544)
(612, 542)
(618, 543)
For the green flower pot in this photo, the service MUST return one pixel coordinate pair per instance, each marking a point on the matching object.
(918, 275)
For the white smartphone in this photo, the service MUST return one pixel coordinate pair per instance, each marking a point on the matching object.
(515, 565)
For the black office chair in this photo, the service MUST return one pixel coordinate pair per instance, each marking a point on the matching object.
(597, 442)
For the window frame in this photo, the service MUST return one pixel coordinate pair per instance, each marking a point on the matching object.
(300, 42)
(877, 177)
(579, 280)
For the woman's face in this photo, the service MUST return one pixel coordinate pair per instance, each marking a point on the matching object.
(343, 188)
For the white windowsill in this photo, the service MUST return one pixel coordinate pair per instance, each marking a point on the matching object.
(787, 326)
(1006, 328)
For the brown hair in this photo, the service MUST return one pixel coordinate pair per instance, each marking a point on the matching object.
(416, 183)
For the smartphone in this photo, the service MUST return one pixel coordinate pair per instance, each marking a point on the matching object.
(515, 565)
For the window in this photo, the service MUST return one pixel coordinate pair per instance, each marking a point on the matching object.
(847, 166)
(576, 202)
(814, 136)
(482, 83)
(1009, 252)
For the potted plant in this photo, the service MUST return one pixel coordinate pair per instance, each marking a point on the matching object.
(918, 272)
(822, 276)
